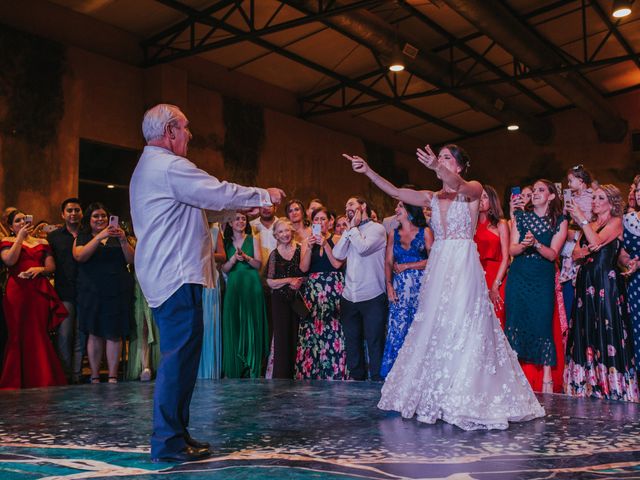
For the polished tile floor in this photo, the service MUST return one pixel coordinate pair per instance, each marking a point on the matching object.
(304, 430)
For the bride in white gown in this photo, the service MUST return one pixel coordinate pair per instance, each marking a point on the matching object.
(456, 363)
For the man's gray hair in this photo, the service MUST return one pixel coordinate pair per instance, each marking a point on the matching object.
(157, 118)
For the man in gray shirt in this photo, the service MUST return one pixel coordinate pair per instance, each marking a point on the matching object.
(363, 309)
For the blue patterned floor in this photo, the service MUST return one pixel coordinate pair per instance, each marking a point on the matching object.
(304, 430)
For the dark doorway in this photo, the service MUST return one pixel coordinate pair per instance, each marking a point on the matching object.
(105, 172)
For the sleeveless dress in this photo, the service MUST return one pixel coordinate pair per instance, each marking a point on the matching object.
(321, 352)
(211, 356)
(631, 237)
(490, 251)
(32, 308)
(455, 363)
(244, 319)
(599, 358)
(407, 286)
(105, 290)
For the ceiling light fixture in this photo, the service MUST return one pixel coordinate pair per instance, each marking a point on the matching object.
(621, 8)
(397, 61)
(111, 186)
(513, 128)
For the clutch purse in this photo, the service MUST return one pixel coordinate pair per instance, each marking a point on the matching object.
(299, 307)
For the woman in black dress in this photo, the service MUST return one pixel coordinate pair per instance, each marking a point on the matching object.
(105, 288)
(285, 279)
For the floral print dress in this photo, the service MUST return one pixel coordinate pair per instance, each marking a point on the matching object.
(407, 286)
(321, 352)
(599, 357)
(632, 246)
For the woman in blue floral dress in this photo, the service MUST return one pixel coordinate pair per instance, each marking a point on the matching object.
(321, 352)
(406, 259)
(599, 356)
(629, 256)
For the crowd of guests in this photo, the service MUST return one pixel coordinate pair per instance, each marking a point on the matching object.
(315, 295)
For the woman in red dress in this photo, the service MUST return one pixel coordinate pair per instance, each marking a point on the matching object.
(492, 238)
(31, 309)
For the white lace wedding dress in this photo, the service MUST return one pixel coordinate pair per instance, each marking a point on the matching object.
(455, 363)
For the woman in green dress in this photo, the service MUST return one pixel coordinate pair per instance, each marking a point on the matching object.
(244, 317)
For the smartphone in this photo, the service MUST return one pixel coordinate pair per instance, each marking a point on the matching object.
(28, 219)
(316, 229)
(566, 196)
(114, 221)
(515, 191)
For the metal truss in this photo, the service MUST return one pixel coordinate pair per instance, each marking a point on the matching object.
(205, 18)
(169, 44)
(314, 103)
(363, 91)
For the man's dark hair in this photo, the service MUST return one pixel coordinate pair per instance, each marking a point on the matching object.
(361, 201)
(67, 201)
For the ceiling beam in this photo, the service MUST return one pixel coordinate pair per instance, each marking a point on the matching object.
(194, 17)
(613, 28)
(388, 100)
(473, 54)
(383, 40)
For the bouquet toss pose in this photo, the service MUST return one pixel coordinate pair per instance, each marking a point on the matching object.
(455, 364)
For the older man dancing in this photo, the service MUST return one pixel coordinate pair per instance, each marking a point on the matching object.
(168, 195)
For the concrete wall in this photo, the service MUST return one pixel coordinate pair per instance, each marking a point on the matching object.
(504, 158)
(104, 102)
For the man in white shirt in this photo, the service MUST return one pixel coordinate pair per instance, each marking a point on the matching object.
(363, 308)
(168, 196)
(263, 229)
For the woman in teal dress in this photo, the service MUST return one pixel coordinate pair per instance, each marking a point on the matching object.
(211, 357)
(537, 236)
(244, 316)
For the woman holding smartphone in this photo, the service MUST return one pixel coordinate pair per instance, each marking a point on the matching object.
(244, 317)
(537, 236)
(105, 288)
(32, 308)
(600, 358)
(321, 350)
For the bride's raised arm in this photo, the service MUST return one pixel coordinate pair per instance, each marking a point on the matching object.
(419, 198)
(450, 179)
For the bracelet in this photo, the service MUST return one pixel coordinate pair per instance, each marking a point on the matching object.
(537, 245)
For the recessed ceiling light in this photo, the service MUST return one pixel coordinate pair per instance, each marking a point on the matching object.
(621, 8)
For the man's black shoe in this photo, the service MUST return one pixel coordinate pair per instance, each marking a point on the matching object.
(187, 454)
(192, 442)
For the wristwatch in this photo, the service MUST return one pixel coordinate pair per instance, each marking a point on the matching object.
(584, 222)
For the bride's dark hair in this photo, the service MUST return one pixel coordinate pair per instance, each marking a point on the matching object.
(461, 156)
